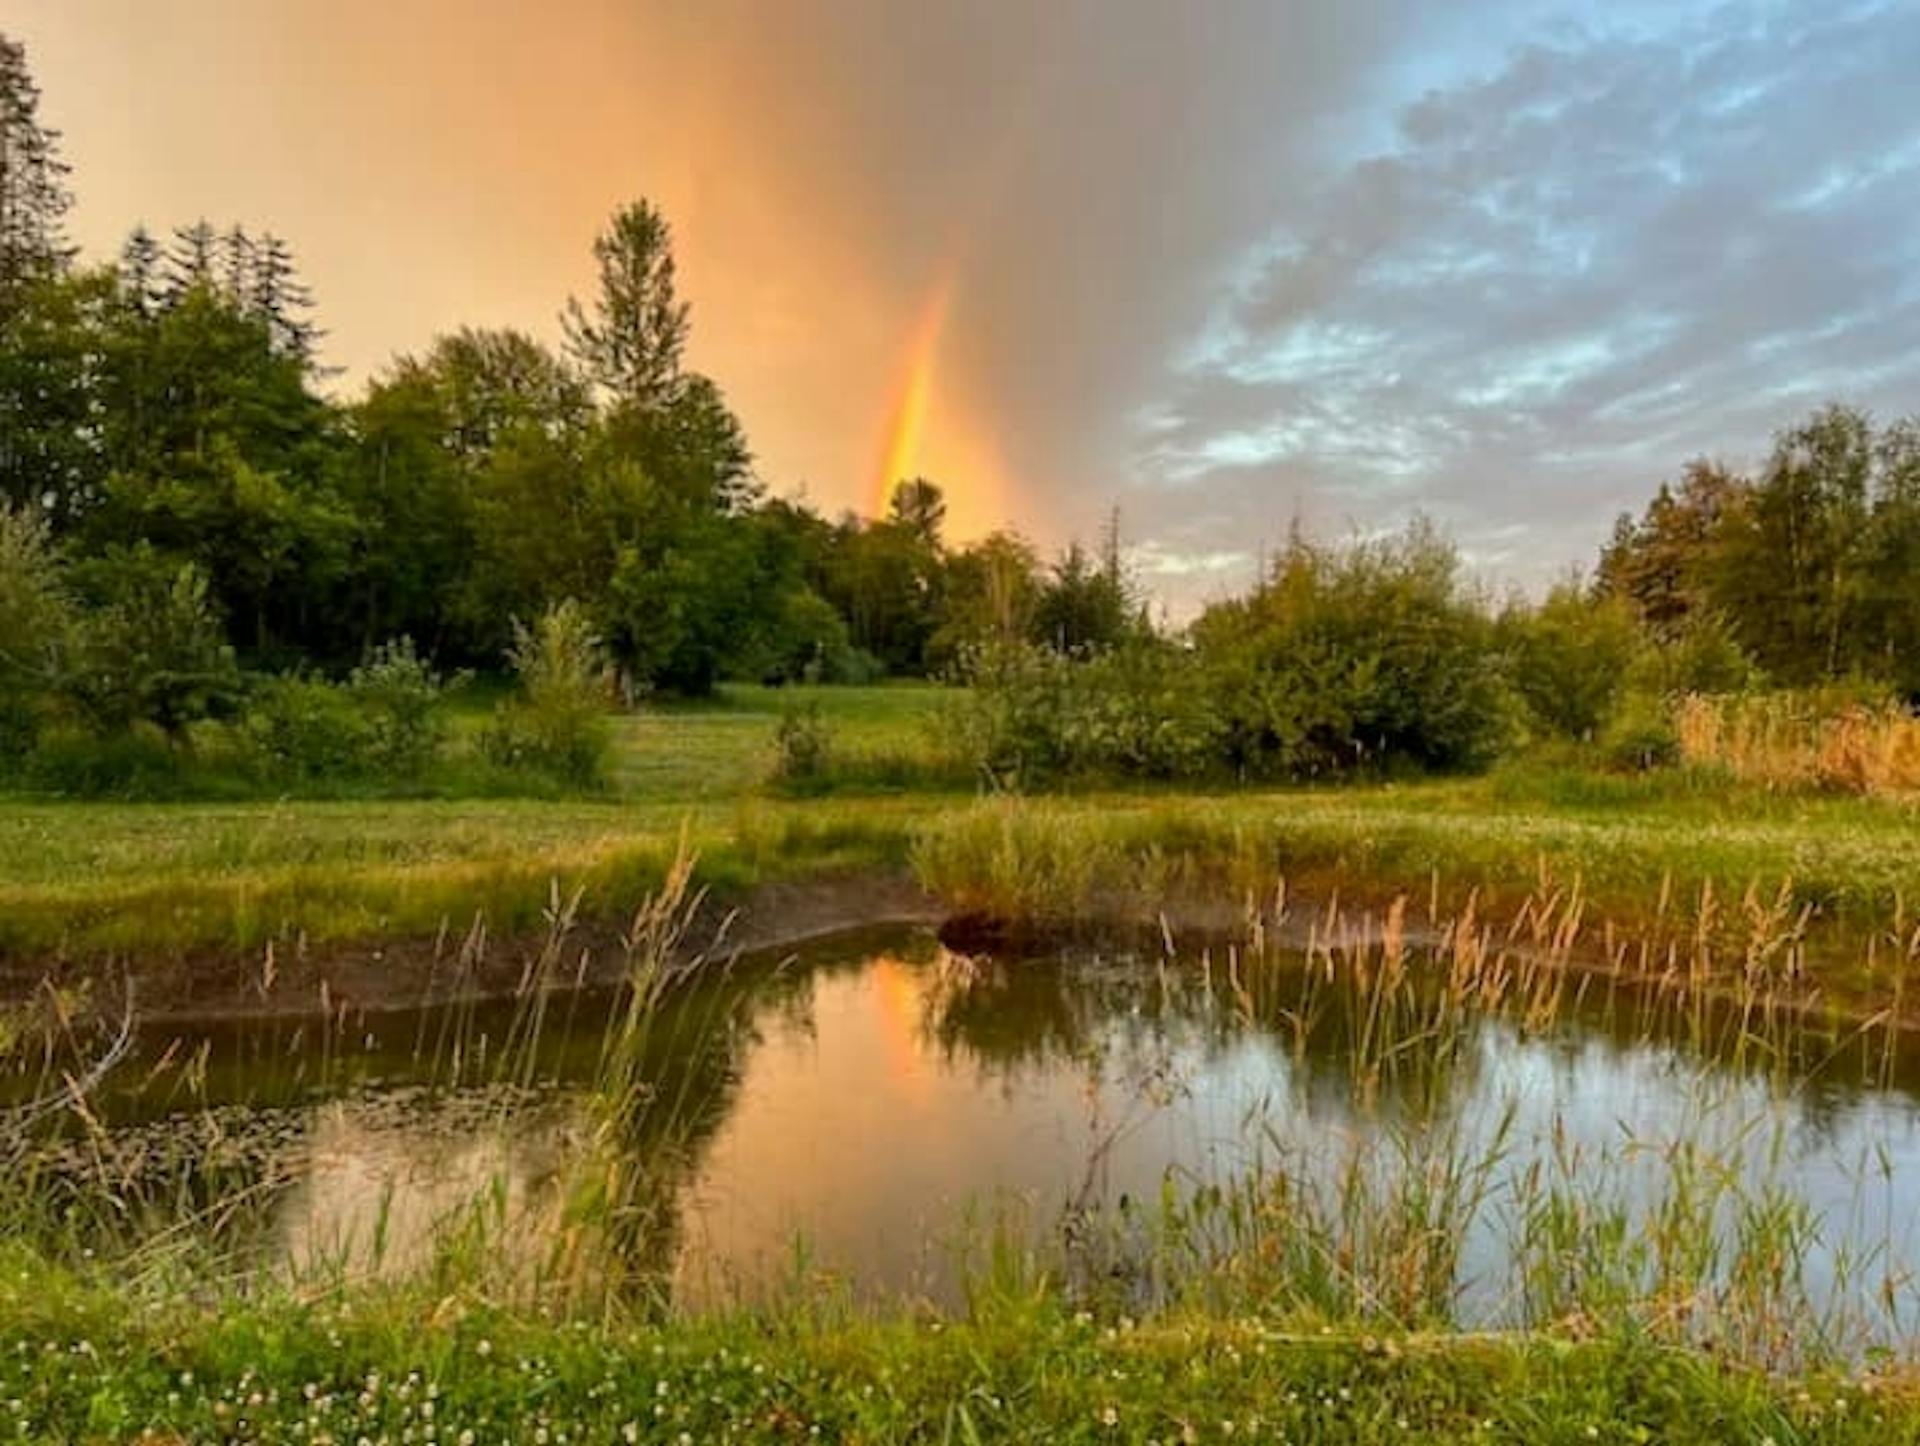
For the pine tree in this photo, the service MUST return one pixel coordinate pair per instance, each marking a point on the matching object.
(33, 193)
(140, 261)
(276, 295)
(237, 261)
(630, 342)
(192, 262)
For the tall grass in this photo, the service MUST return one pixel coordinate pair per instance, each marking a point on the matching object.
(1408, 1222)
(1047, 869)
(1796, 741)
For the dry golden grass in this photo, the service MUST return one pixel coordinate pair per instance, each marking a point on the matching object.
(1788, 741)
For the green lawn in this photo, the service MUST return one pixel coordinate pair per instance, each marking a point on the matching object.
(723, 747)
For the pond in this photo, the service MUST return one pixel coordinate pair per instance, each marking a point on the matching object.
(877, 1112)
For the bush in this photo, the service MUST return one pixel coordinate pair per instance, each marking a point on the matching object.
(1641, 735)
(856, 668)
(1370, 656)
(303, 729)
(802, 748)
(139, 761)
(1034, 716)
(806, 642)
(1569, 659)
(37, 623)
(151, 649)
(383, 723)
(557, 725)
(1701, 657)
(399, 698)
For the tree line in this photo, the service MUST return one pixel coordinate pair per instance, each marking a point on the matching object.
(1812, 565)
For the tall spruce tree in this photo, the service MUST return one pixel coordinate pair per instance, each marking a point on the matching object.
(629, 342)
(140, 263)
(192, 262)
(33, 179)
(275, 294)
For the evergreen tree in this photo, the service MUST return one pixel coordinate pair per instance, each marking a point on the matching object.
(921, 508)
(236, 265)
(1665, 563)
(630, 342)
(140, 264)
(33, 190)
(274, 292)
(192, 262)
(1084, 605)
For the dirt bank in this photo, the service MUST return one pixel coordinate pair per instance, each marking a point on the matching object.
(354, 978)
(295, 980)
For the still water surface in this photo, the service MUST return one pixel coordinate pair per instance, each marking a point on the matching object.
(866, 1106)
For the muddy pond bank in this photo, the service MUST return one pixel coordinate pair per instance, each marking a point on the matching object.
(1826, 978)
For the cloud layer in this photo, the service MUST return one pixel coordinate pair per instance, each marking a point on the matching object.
(1620, 246)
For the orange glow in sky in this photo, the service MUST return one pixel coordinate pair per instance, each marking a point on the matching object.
(848, 316)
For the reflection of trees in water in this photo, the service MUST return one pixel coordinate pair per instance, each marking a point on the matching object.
(267, 1139)
(1351, 1063)
(1401, 1054)
(653, 1134)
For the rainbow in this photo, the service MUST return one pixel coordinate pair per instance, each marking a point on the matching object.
(904, 436)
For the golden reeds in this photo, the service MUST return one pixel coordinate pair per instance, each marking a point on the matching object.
(1790, 741)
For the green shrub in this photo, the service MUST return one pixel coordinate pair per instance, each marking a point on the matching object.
(1371, 656)
(1642, 735)
(37, 623)
(384, 723)
(151, 649)
(1569, 659)
(304, 729)
(557, 724)
(1033, 716)
(1010, 722)
(805, 642)
(139, 761)
(1702, 656)
(855, 668)
(399, 698)
(802, 748)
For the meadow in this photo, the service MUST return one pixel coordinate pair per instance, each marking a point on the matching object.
(83, 880)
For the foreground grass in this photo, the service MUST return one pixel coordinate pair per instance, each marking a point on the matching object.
(88, 878)
(83, 1364)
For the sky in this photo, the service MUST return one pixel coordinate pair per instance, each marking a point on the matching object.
(1225, 265)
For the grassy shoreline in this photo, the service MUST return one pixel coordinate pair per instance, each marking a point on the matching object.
(82, 1366)
(81, 880)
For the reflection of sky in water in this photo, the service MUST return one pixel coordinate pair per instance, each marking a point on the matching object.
(378, 1188)
(848, 1111)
